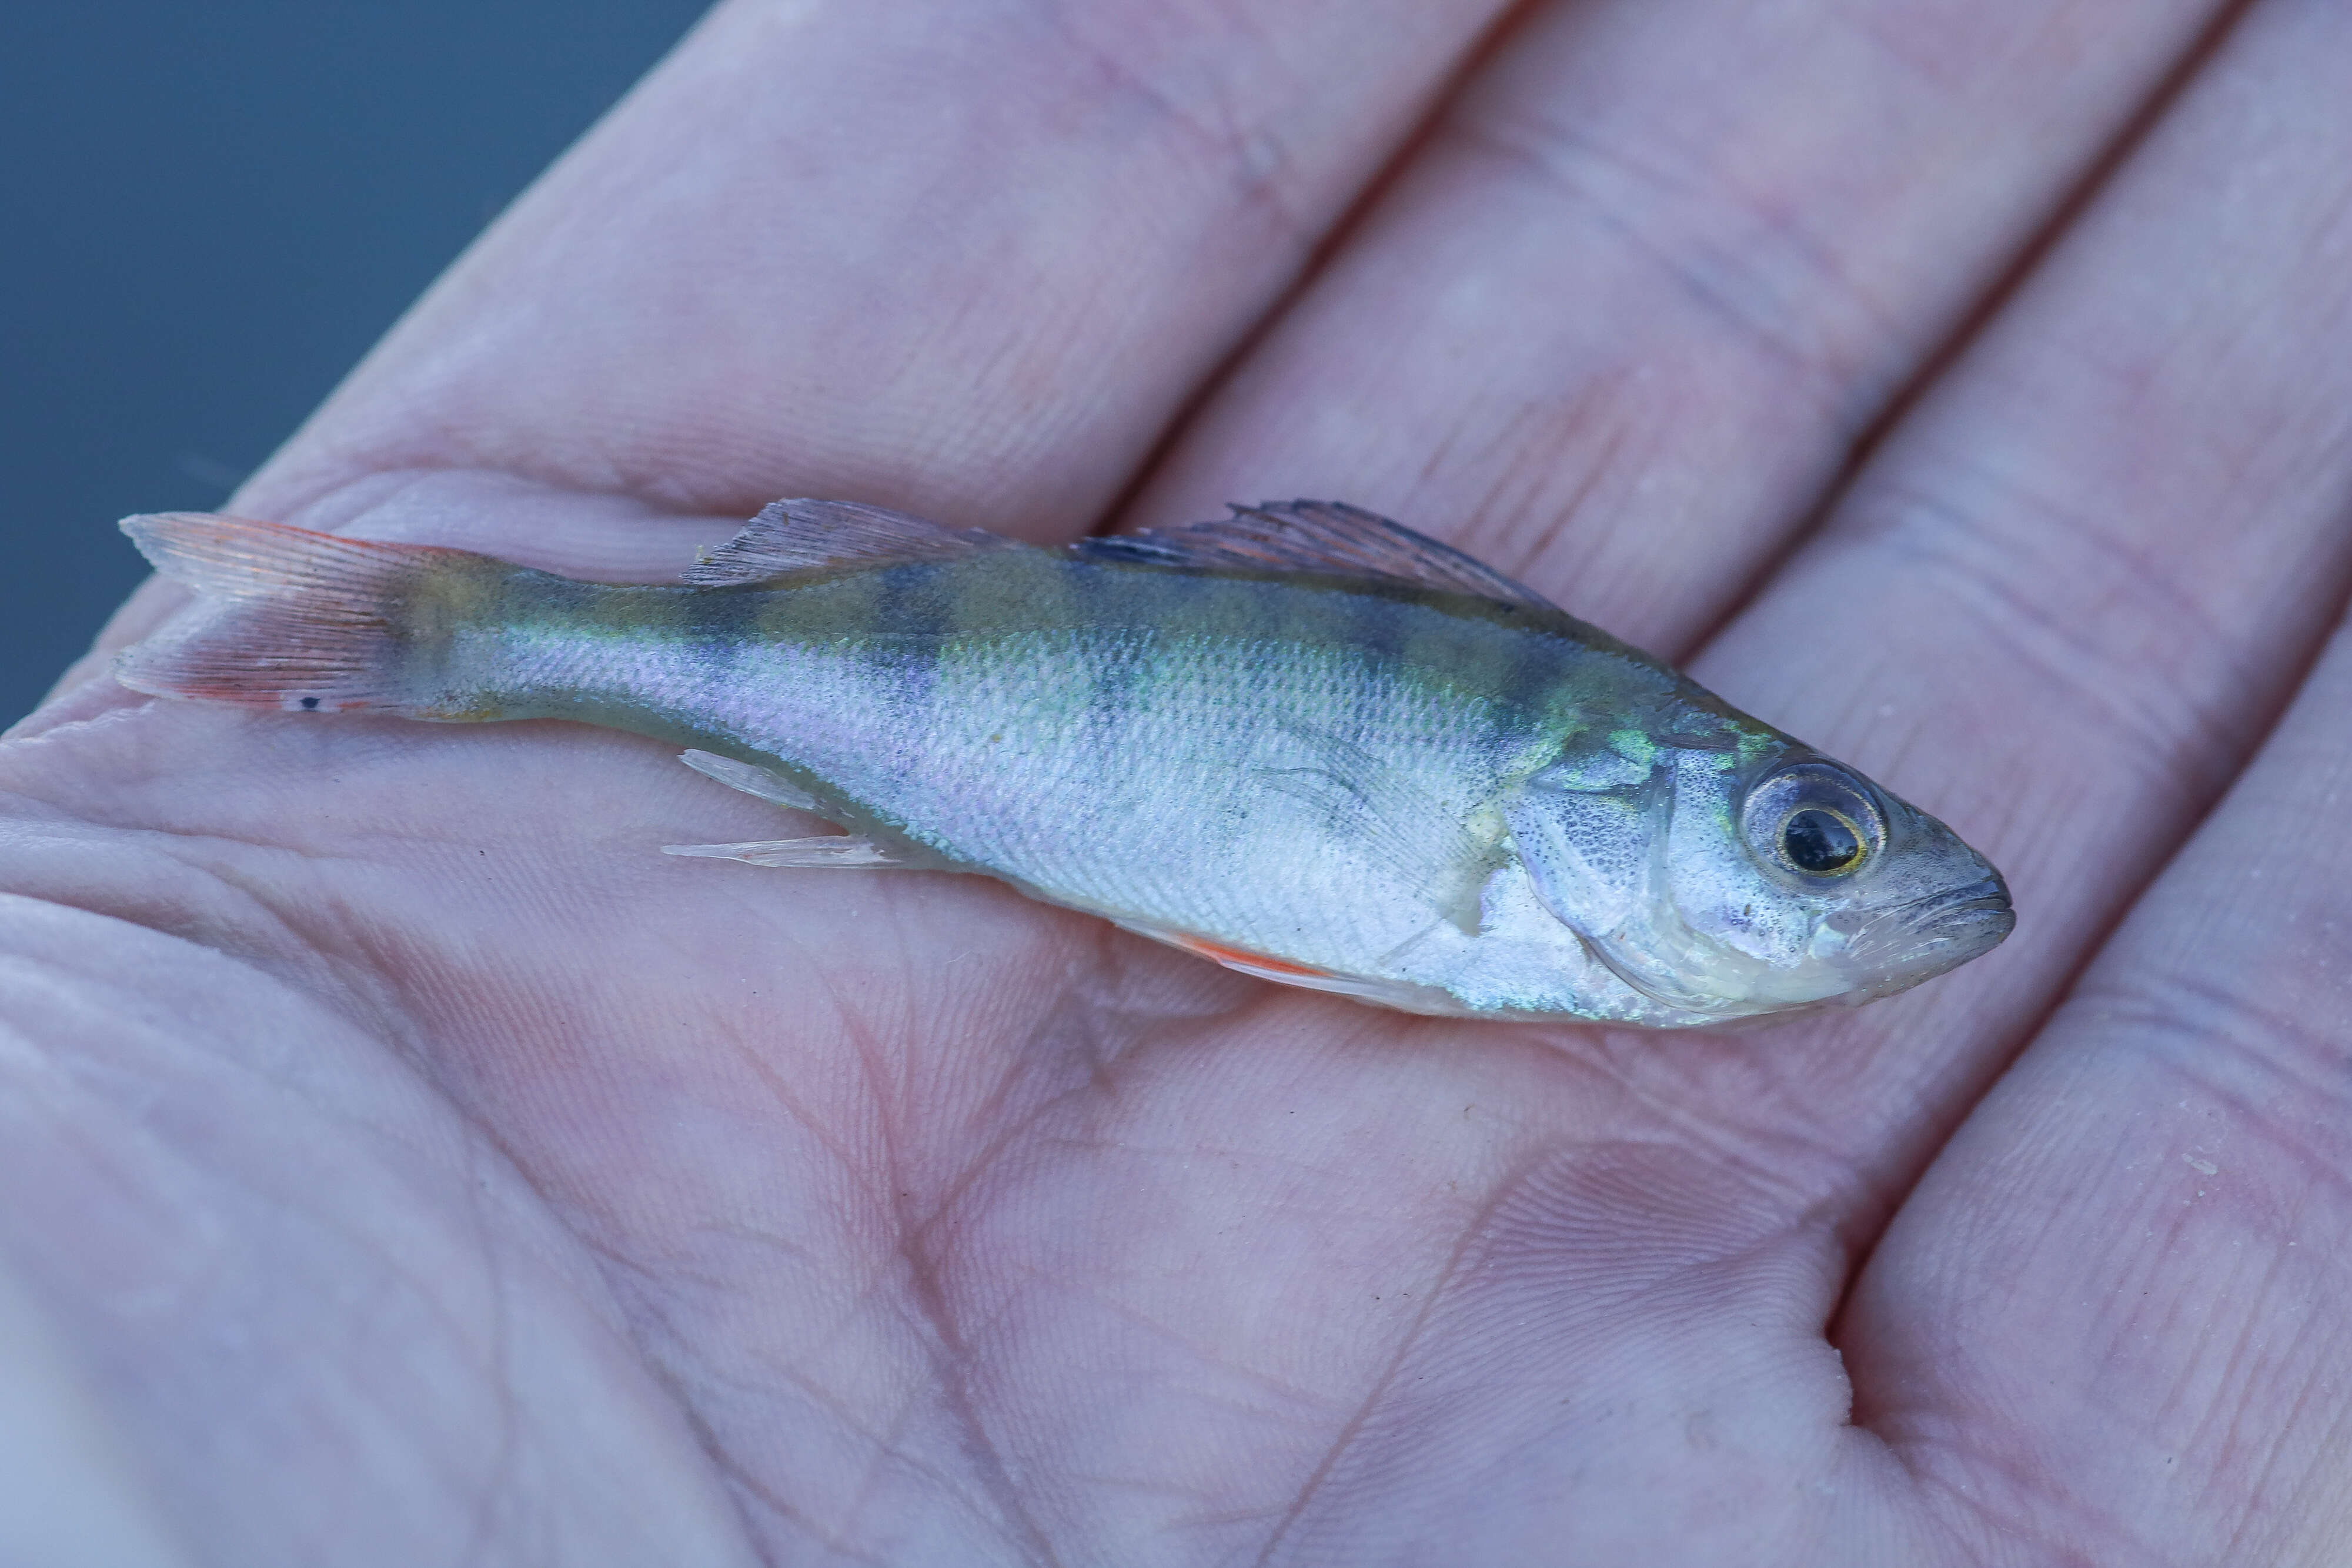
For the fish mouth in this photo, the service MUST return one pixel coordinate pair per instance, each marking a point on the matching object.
(1942, 931)
(1974, 925)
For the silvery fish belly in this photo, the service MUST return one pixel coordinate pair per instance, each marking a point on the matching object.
(1304, 742)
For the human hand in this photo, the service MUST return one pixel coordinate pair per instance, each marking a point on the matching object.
(407, 1161)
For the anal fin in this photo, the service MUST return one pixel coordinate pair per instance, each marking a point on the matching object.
(752, 780)
(830, 849)
(827, 849)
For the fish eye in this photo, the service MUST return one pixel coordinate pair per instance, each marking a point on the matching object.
(1814, 820)
(1820, 843)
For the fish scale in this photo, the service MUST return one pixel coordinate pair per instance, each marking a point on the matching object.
(1305, 742)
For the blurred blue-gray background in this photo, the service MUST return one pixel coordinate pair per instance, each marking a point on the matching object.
(208, 212)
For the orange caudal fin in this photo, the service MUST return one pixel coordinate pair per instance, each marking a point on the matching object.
(287, 618)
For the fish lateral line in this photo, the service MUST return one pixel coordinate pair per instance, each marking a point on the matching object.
(1305, 724)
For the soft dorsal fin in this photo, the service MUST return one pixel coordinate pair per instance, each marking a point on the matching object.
(803, 535)
(1315, 536)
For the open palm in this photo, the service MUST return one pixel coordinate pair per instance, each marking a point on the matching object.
(406, 1163)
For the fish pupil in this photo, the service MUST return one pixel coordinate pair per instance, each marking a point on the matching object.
(1821, 843)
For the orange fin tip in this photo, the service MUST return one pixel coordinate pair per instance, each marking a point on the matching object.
(1242, 959)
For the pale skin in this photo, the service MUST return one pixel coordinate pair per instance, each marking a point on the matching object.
(407, 1163)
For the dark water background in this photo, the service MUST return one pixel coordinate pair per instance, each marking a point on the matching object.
(208, 210)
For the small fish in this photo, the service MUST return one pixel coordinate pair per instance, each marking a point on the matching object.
(1305, 742)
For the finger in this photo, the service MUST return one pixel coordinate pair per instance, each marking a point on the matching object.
(2064, 601)
(231, 1201)
(1600, 1273)
(69, 1494)
(2125, 1273)
(962, 258)
(967, 261)
(1624, 318)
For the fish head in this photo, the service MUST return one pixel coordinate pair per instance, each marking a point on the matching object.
(1730, 880)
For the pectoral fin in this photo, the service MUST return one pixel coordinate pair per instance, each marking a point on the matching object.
(1424, 841)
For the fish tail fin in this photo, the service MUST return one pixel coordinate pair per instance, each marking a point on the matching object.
(297, 619)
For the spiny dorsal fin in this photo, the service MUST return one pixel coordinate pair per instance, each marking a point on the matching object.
(1315, 536)
(799, 535)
